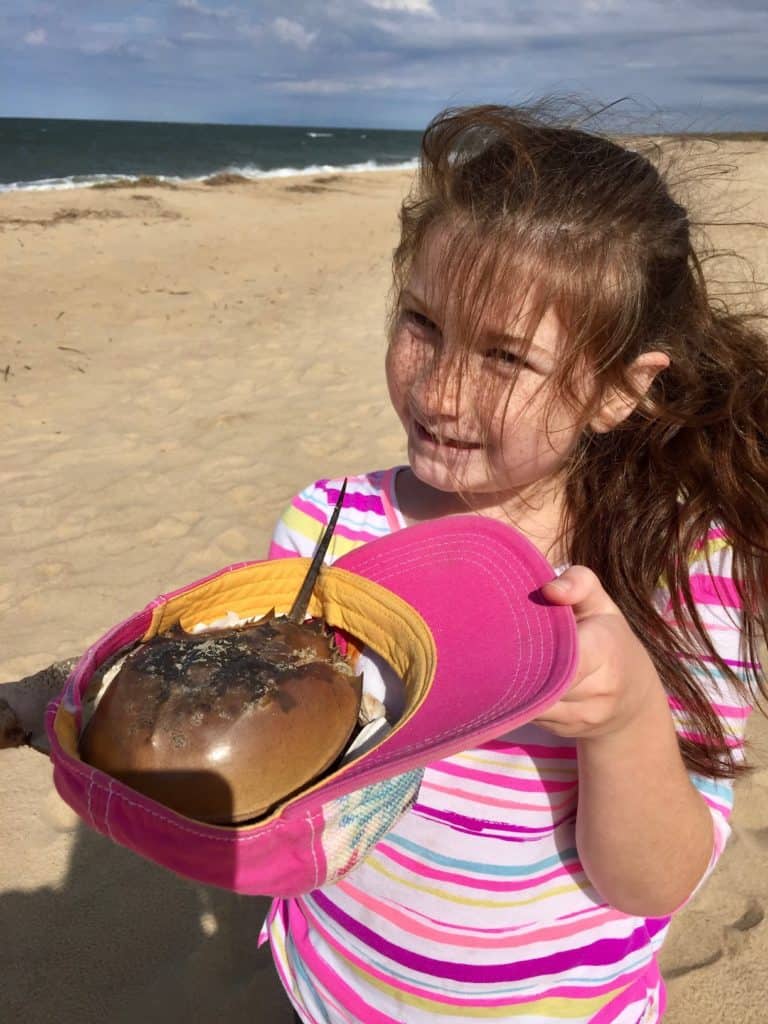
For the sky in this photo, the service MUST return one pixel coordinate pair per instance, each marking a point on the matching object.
(685, 64)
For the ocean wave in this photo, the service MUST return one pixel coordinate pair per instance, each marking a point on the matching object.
(320, 135)
(248, 172)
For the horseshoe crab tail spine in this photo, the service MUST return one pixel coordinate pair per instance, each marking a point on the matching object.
(299, 609)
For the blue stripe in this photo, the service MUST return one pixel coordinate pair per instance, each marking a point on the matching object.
(502, 870)
(720, 789)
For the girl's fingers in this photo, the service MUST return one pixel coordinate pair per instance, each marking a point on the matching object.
(580, 588)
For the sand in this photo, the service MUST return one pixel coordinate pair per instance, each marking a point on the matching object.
(174, 365)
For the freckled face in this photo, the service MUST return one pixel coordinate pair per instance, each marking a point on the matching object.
(481, 433)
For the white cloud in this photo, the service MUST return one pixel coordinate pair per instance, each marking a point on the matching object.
(315, 87)
(37, 37)
(409, 6)
(337, 87)
(293, 32)
(601, 6)
(207, 12)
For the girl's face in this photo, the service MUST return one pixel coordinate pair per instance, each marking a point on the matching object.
(476, 433)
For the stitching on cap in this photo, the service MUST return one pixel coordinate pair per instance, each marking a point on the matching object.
(478, 555)
(90, 808)
(106, 812)
(312, 847)
(235, 837)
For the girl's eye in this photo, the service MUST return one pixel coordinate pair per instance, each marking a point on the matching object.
(504, 355)
(419, 320)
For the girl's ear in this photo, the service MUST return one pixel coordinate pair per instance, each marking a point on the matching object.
(618, 405)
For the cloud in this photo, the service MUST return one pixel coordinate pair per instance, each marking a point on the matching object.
(408, 6)
(354, 85)
(316, 87)
(371, 61)
(37, 37)
(206, 12)
(293, 33)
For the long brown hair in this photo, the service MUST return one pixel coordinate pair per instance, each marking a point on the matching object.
(518, 195)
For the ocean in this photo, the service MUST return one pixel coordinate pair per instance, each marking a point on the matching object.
(41, 153)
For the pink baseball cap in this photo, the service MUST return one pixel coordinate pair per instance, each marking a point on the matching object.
(453, 605)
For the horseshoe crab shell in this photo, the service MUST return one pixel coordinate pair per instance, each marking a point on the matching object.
(220, 725)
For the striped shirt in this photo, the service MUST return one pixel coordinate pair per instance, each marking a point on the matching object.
(475, 906)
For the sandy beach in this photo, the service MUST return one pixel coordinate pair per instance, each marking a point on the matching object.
(175, 363)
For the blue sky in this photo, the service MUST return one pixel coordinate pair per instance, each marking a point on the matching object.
(380, 63)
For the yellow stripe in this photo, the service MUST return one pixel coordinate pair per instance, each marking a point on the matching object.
(376, 864)
(310, 529)
(514, 766)
(548, 1009)
(710, 548)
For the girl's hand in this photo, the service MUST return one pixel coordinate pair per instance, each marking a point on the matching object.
(615, 676)
(23, 704)
(11, 730)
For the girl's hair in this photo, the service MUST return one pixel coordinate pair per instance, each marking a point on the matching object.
(516, 198)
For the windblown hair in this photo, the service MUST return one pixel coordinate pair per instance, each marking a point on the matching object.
(588, 227)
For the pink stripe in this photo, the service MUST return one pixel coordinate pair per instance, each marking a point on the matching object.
(723, 807)
(731, 742)
(732, 662)
(490, 801)
(500, 779)
(359, 536)
(328, 978)
(334, 983)
(724, 710)
(715, 590)
(387, 496)
(497, 938)
(634, 993)
(310, 509)
(351, 533)
(423, 870)
(531, 750)
(277, 551)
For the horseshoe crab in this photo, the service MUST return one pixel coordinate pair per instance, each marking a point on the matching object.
(222, 724)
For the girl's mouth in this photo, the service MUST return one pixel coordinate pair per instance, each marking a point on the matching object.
(443, 441)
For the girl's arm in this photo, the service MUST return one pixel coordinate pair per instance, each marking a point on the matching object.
(23, 704)
(646, 835)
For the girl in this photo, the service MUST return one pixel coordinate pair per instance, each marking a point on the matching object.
(556, 362)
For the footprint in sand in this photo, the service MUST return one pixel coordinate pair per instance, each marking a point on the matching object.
(739, 934)
(168, 528)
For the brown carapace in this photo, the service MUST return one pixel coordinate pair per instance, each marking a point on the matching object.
(223, 724)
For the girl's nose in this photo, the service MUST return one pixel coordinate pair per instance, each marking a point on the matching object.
(438, 386)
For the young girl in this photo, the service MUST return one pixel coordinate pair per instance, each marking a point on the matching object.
(556, 363)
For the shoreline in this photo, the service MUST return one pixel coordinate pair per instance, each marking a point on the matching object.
(216, 178)
(238, 176)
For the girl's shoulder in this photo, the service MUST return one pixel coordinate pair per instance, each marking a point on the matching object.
(367, 513)
(718, 602)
